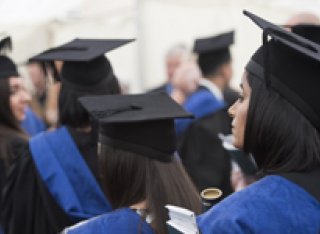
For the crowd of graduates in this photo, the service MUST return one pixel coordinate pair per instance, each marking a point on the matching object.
(80, 155)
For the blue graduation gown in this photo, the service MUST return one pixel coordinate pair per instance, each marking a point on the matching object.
(271, 205)
(32, 124)
(67, 176)
(121, 221)
(201, 103)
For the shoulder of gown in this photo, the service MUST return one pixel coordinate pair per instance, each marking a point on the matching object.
(120, 221)
(270, 205)
(27, 205)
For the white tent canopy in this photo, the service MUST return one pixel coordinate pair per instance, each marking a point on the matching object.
(36, 25)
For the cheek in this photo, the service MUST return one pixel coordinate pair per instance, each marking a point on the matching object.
(242, 119)
(16, 108)
(13, 102)
(240, 125)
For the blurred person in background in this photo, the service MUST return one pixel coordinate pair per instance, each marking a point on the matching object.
(45, 99)
(185, 80)
(174, 57)
(52, 110)
(302, 18)
(214, 61)
(39, 82)
(200, 149)
(54, 181)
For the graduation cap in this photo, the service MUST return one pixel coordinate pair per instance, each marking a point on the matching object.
(309, 31)
(7, 67)
(213, 52)
(142, 124)
(290, 65)
(85, 65)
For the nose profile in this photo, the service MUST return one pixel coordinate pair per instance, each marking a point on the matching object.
(231, 110)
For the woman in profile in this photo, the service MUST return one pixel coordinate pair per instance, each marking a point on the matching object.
(277, 120)
(13, 102)
(139, 170)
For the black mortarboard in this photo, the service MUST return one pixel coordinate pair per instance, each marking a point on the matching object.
(290, 65)
(213, 52)
(142, 124)
(309, 31)
(85, 65)
(7, 67)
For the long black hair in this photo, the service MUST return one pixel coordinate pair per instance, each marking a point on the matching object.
(6, 115)
(280, 138)
(9, 125)
(129, 178)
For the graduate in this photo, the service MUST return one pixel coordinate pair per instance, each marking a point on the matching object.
(30, 122)
(175, 56)
(53, 181)
(140, 171)
(214, 61)
(277, 121)
(201, 150)
(13, 101)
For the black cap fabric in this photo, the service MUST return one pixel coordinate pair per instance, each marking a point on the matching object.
(85, 65)
(81, 50)
(87, 75)
(290, 65)
(309, 31)
(215, 43)
(7, 67)
(213, 52)
(142, 124)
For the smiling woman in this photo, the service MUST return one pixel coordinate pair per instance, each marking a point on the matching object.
(13, 101)
(19, 98)
(12, 105)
